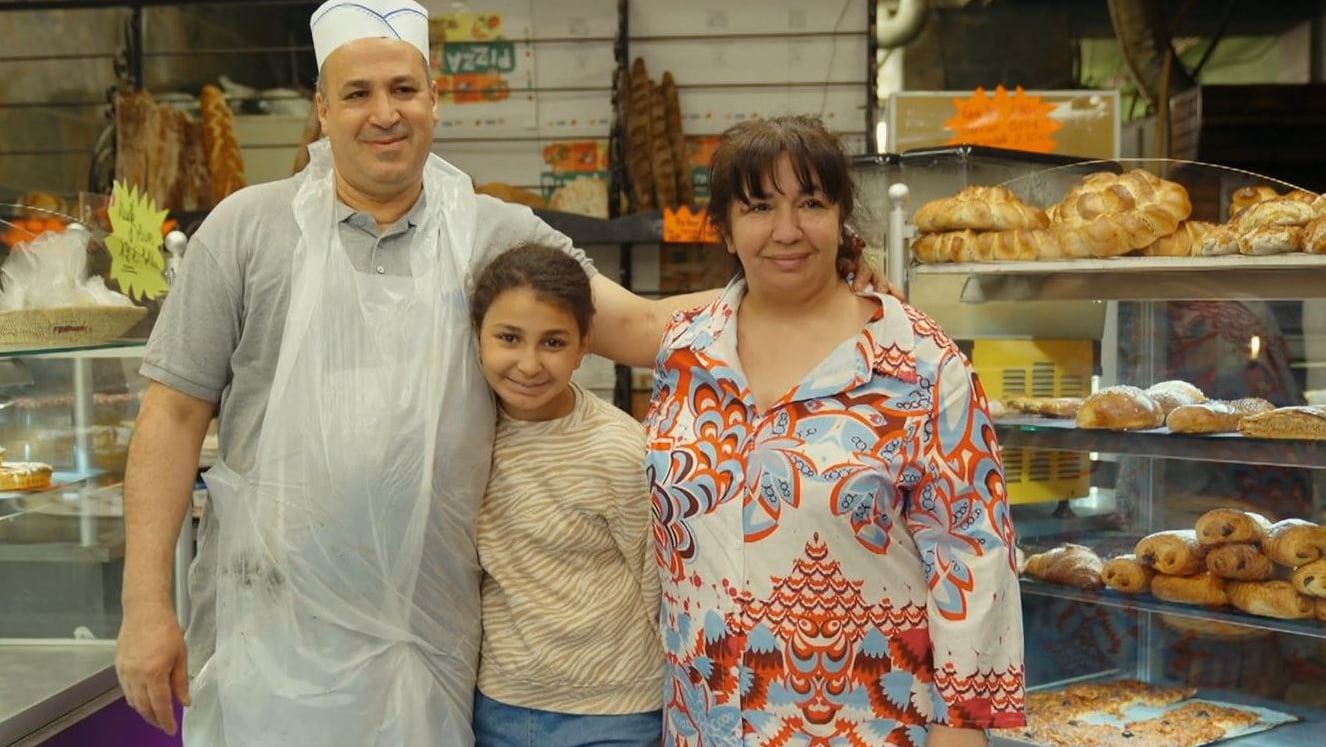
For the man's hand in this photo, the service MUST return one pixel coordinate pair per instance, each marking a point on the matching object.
(153, 663)
(864, 278)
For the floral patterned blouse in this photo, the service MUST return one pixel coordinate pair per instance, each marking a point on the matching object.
(837, 570)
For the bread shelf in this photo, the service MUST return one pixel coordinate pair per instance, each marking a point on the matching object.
(1063, 435)
(1280, 277)
(1146, 603)
(1306, 731)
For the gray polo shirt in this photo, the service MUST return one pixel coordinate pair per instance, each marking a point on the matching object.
(220, 328)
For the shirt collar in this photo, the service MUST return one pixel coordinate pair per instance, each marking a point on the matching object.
(345, 213)
(886, 346)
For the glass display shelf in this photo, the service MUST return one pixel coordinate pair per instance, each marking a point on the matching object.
(1063, 435)
(110, 349)
(1311, 628)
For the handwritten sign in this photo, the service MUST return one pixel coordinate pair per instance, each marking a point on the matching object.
(684, 226)
(135, 243)
(1019, 121)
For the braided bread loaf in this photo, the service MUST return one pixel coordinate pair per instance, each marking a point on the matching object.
(1185, 242)
(1134, 208)
(224, 160)
(979, 209)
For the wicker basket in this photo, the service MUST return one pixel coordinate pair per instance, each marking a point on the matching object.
(69, 325)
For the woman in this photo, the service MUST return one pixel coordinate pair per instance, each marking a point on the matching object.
(571, 655)
(830, 512)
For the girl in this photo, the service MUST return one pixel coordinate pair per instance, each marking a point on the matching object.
(571, 651)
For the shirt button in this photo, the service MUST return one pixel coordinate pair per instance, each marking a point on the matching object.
(381, 269)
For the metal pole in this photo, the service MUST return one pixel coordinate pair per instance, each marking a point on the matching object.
(872, 74)
(896, 239)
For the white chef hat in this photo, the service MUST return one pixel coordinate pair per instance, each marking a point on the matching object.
(338, 22)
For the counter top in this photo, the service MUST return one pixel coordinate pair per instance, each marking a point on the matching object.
(40, 683)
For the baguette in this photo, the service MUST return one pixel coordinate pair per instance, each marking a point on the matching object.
(1270, 599)
(1308, 423)
(1215, 416)
(224, 160)
(637, 135)
(660, 150)
(1204, 588)
(677, 141)
(1175, 552)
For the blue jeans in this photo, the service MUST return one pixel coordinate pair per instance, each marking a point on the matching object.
(497, 724)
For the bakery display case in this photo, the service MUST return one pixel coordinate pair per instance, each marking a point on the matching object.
(1165, 446)
(69, 394)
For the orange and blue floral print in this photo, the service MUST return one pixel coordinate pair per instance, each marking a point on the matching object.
(838, 569)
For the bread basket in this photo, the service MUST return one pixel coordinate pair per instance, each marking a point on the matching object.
(68, 325)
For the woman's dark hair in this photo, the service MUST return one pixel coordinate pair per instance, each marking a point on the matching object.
(750, 150)
(553, 276)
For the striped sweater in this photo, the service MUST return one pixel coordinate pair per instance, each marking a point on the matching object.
(570, 584)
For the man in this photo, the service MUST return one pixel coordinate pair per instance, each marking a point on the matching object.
(322, 318)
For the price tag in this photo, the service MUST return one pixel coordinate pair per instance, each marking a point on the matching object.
(1018, 121)
(684, 226)
(135, 243)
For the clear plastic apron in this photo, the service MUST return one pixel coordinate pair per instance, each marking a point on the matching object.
(347, 608)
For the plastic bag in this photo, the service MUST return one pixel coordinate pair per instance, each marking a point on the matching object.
(51, 272)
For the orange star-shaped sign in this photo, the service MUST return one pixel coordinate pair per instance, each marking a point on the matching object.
(1004, 120)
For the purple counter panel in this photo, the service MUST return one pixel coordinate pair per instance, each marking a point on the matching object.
(116, 725)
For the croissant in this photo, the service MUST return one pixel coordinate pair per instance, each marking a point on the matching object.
(1172, 394)
(1120, 408)
(1267, 240)
(1270, 599)
(1294, 542)
(1204, 588)
(1218, 242)
(1245, 197)
(1215, 416)
(1310, 579)
(1127, 575)
(1227, 525)
(980, 209)
(1244, 562)
(1070, 565)
(1276, 212)
(1314, 236)
(1175, 552)
(1185, 242)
